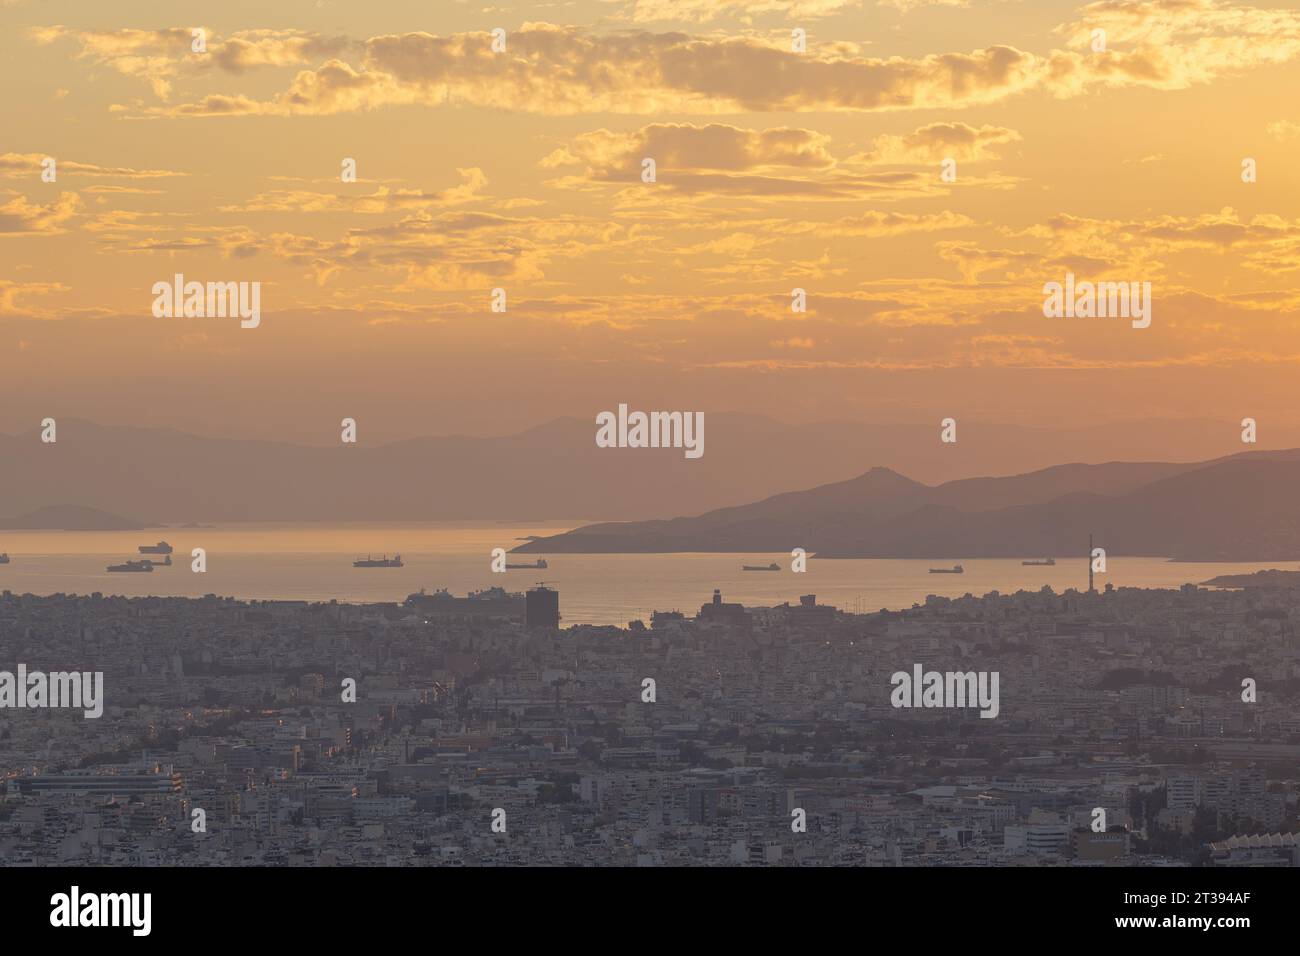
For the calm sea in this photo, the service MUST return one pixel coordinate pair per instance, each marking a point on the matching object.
(314, 562)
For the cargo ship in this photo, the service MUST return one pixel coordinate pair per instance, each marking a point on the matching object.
(132, 566)
(955, 569)
(493, 602)
(4, 558)
(1045, 563)
(761, 567)
(162, 547)
(541, 564)
(384, 562)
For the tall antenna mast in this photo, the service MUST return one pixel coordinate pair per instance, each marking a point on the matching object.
(1090, 586)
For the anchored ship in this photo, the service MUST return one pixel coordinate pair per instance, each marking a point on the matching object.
(955, 569)
(1045, 563)
(132, 566)
(4, 558)
(761, 567)
(162, 547)
(541, 563)
(384, 562)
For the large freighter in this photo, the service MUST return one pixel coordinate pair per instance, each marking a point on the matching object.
(493, 602)
(384, 562)
(136, 566)
(955, 569)
(162, 547)
(539, 565)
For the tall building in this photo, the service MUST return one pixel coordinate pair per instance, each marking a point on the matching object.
(720, 612)
(543, 607)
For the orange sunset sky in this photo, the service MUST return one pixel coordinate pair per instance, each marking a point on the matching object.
(521, 170)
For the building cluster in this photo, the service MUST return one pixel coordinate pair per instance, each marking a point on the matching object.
(480, 732)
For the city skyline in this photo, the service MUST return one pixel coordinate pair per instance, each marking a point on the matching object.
(1124, 727)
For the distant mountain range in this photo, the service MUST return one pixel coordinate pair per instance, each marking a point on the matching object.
(1241, 508)
(70, 518)
(553, 471)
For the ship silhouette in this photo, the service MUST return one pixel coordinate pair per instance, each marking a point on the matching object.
(145, 565)
(955, 569)
(384, 562)
(761, 567)
(1045, 563)
(541, 563)
(162, 547)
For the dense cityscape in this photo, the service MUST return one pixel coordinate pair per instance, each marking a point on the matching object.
(1137, 727)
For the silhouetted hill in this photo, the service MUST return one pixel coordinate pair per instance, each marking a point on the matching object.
(70, 518)
(1272, 578)
(1243, 507)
